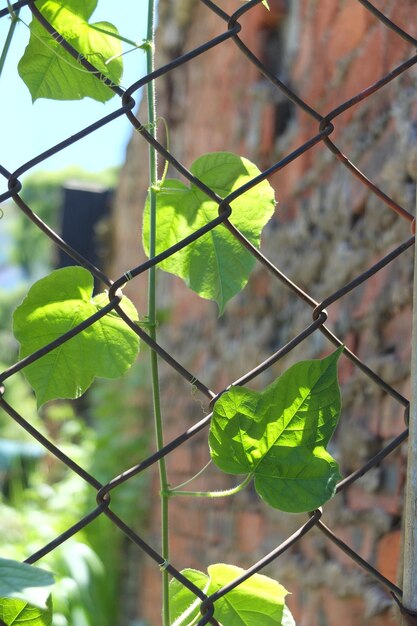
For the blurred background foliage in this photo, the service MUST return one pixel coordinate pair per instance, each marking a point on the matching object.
(104, 432)
(42, 192)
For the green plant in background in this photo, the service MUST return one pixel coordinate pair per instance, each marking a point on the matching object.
(277, 437)
(43, 193)
(41, 498)
(26, 593)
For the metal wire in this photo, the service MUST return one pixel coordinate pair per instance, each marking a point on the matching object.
(326, 123)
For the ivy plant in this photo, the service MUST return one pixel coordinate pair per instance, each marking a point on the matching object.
(49, 71)
(27, 583)
(55, 305)
(258, 600)
(216, 266)
(21, 613)
(25, 594)
(279, 435)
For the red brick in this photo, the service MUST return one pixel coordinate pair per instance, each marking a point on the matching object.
(324, 17)
(346, 368)
(359, 500)
(390, 617)
(189, 306)
(366, 68)
(180, 463)
(306, 52)
(396, 50)
(311, 611)
(347, 611)
(348, 30)
(250, 530)
(294, 599)
(217, 107)
(366, 347)
(359, 538)
(391, 418)
(316, 92)
(267, 140)
(181, 550)
(388, 555)
(397, 334)
(403, 14)
(150, 589)
(371, 290)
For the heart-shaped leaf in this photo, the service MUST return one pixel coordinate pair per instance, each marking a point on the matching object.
(25, 583)
(20, 613)
(216, 266)
(49, 71)
(56, 304)
(258, 601)
(280, 435)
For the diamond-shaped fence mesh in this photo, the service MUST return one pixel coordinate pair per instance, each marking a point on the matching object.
(326, 125)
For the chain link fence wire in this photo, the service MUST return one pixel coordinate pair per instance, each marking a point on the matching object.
(326, 124)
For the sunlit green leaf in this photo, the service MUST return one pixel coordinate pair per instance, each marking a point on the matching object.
(55, 305)
(259, 601)
(280, 435)
(51, 72)
(25, 583)
(20, 613)
(216, 266)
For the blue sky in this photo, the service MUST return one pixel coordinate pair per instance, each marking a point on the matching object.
(27, 129)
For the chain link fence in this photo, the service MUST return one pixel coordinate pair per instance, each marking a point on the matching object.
(326, 125)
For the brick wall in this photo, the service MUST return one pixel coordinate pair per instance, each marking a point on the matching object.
(327, 229)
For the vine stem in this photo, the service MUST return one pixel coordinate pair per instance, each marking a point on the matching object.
(153, 179)
(14, 20)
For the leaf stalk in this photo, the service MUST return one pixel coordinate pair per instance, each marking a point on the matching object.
(213, 494)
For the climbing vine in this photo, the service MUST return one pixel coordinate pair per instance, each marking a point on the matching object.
(276, 437)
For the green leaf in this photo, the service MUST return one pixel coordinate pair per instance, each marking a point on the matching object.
(259, 601)
(25, 583)
(56, 304)
(18, 612)
(287, 618)
(184, 605)
(280, 435)
(51, 72)
(216, 266)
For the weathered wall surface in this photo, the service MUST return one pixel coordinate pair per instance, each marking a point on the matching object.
(327, 229)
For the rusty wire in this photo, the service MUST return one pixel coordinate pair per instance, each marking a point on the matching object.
(325, 127)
